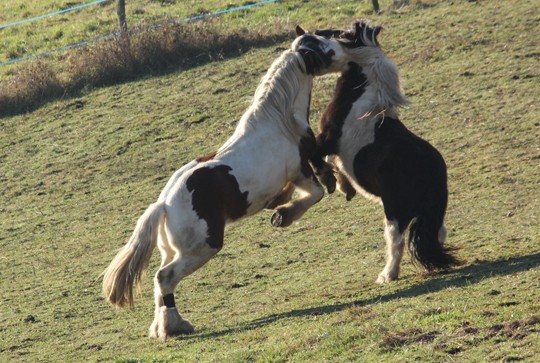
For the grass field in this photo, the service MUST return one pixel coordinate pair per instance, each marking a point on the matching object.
(97, 20)
(76, 174)
(87, 23)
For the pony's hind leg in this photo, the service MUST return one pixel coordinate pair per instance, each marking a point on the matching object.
(395, 243)
(169, 321)
(167, 255)
(310, 191)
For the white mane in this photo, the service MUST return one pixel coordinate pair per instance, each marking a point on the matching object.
(282, 80)
(383, 78)
(274, 97)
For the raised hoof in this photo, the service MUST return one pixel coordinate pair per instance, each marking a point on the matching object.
(280, 218)
(345, 187)
(276, 219)
(350, 195)
(329, 181)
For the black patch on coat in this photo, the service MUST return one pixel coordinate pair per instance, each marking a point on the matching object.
(409, 175)
(405, 171)
(216, 198)
(306, 149)
(350, 87)
(314, 57)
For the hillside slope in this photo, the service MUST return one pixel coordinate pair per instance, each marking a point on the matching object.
(77, 173)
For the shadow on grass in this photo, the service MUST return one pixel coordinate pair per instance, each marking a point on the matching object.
(467, 275)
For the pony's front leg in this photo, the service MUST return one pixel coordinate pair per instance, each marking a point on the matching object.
(325, 174)
(343, 183)
(310, 191)
(322, 169)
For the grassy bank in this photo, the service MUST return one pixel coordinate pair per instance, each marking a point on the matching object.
(77, 173)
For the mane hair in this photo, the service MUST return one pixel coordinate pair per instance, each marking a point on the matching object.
(362, 34)
(272, 99)
(382, 74)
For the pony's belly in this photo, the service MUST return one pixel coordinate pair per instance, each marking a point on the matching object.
(266, 173)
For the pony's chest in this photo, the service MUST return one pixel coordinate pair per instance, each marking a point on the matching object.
(356, 134)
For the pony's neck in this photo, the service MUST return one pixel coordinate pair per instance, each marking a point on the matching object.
(281, 101)
(283, 95)
(383, 91)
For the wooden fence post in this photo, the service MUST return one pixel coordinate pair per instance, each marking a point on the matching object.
(121, 11)
(376, 5)
(123, 39)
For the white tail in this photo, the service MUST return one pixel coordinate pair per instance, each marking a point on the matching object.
(130, 262)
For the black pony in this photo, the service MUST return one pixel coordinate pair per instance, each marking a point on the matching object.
(370, 150)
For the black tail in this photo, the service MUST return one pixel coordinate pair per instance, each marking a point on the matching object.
(425, 246)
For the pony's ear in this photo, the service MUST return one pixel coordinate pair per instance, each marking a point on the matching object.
(299, 30)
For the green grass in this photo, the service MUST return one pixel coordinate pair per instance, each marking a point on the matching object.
(91, 22)
(77, 173)
(84, 24)
(27, 85)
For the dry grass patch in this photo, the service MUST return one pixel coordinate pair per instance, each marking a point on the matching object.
(146, 50)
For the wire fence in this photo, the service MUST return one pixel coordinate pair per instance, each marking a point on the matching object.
(102, 37)
(53, 13)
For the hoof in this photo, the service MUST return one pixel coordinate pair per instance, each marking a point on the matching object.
(281, 218)
(185, 328)
(170, 323)
(350, 195)
(329, 181)
(384, 278)
(345, 187)
(276, 219)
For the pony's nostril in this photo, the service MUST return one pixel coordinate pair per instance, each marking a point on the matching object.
(331, 53)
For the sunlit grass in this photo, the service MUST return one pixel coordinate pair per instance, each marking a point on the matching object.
(76, 174)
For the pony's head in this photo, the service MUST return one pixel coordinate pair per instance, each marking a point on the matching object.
(361, 47)
(359, 44)
(321, 55)
(361, 35)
